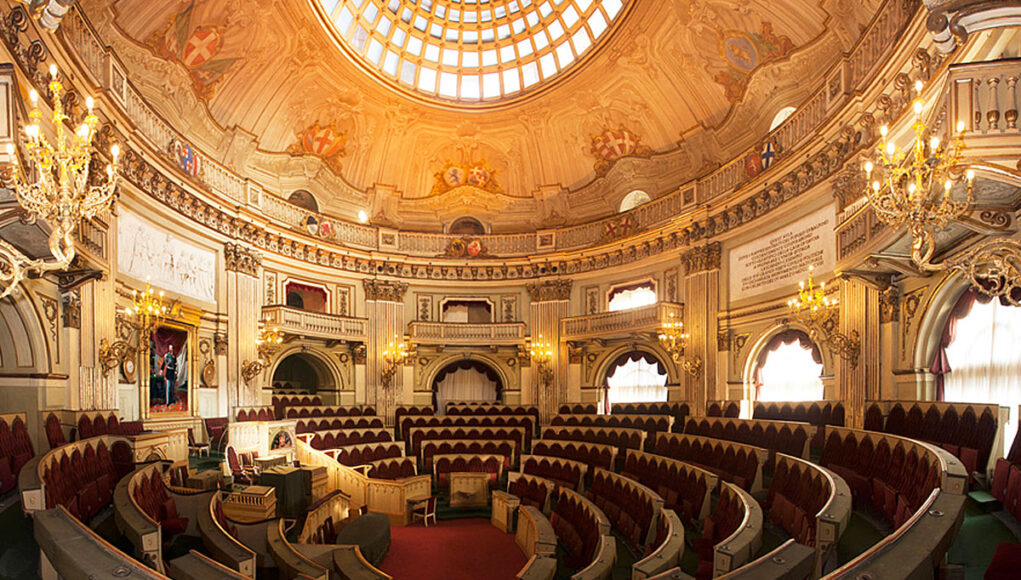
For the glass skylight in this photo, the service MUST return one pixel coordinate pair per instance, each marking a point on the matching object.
(471, 50)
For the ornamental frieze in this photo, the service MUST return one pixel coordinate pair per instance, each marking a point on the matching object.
(240, 259)
(550, 291)
(384, 291)
(703, 258)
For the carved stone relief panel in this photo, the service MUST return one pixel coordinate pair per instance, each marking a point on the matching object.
(509, 309)
(592, 300)
(344, 300)
(425, 308)
(670, 285)
(270, 285)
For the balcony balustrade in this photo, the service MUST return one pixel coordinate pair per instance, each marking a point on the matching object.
(622, 322)
(467, 334)
(315, 324)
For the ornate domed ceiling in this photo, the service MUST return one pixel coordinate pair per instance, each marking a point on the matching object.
(469, 51)
(646, 95)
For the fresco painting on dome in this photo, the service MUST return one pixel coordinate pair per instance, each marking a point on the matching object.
(197, 37)
(168, 370)
(744, 52)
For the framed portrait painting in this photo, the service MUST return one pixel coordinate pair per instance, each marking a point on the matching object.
(169, 370)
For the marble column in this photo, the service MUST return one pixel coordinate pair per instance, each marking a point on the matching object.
(244, 298)
(550, 302)
(858, 375)
(701, 311)
(384, 307)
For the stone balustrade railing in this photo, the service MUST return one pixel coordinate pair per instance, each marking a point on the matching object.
(645, 318)
(314, 324)
(456, 333)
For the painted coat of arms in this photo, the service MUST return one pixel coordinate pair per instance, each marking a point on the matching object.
(465, 248)
(199, 47)
(454, 175)
(745, 52)
(323, 141)
(613, 144)
(185, 156)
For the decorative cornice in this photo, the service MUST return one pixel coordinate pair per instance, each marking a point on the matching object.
(240, 259)
(703, 258)
(550, 291)
(384, 291)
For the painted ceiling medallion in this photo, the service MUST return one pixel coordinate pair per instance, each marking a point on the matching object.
(614, 144)
(745, 52)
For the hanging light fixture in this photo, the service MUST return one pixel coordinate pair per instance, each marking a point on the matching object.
(55, 185)
(812, 308)
(675, 340)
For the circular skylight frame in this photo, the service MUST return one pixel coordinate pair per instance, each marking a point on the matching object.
(474, 53)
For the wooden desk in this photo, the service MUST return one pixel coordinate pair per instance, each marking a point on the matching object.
(469, 489)
(205, 480)
(264, 463)
(252, 504)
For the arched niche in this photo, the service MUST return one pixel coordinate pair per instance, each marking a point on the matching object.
(308, 362)
(606, 359)
(930, 329)
(760, 342)
(437, 366)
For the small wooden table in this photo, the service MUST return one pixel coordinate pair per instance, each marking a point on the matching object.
(252, 504)
(469, 489)
(204, 480)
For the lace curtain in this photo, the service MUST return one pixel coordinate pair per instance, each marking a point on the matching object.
(789, 369)
(981, 362)
(636, 379)
(465, 384)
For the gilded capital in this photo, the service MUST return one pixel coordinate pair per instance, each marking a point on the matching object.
(241, 259)
(702, 258)
(384, 291)
(550, 291)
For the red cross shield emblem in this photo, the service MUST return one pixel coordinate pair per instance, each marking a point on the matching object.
(478, 176)
(322, 141)
(201, 46)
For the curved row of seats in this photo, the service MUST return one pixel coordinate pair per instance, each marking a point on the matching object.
(419, 435)
(150, 494)
(392, 468)
(338, 438)
(81, 476)
(281, 402)
(562, 472)
(254, 414)
(431, 448)
(579, 528)
(966, 430)
(620, 437)
(647, 423)
(796, 494)
(685, 489)
(815, 413)
(336, 423)
(896, 478)
(578, 409)
(90, 424)
(460, 463)
(732, 513)
(495, 410)
(730, 409)
(305, 412)
(593, 454)
(15, 449)
(532, 490)
(734, 462)
(631, 507)
(776, 436)
(362, 453)
(413, 411)
(526, 423)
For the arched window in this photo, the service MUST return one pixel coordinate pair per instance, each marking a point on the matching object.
(467, 226)
(781, 116)
(633, 200)
(979, 360)
(789, 368)
(632, 296)
(636, 377)
(304, 199)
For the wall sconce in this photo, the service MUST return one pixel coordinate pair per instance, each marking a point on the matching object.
(267, 343)
(541, 355)
(812, 308)
(146, 313)
(675, 340)
(394, 356)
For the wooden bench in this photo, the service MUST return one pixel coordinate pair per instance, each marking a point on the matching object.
(562, 472)
(740, 546)
(631, 507)
(433, 447)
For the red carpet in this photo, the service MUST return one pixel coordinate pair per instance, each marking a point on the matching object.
(466, 549)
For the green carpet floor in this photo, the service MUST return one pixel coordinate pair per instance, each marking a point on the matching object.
(859, 536)
(974, 546)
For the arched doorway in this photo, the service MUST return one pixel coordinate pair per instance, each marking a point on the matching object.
(636, 376)
(466, 380)
(788, 367)
(302, 372)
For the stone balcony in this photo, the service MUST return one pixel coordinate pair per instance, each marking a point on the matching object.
(300, 322)
(467, 334)
(620, 323)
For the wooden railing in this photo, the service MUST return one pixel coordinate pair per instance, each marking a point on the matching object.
(666, 555)
(315, 324)
(648, 318)
(466, 334)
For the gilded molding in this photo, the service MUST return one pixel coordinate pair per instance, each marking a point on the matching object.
(550, 291)
(889, 305)
(242, 260)
(703, 258)
(384, 291)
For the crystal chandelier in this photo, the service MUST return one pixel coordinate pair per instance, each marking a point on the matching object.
(55, 185)
(394, 356)
(675, 340)
(541, 355)
(812, 308)
(913, 187)
(148, 310)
